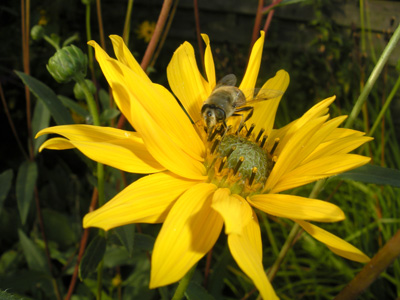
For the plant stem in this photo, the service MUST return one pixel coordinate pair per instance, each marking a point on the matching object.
(293, 233)
(282, 254)
(183, 284)
(127, 25)
(373, 77)
(383, 259)
(101, 28)
(385, 107)
(89, 37)
(51, 42)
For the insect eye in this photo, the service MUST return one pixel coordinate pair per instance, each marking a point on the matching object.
(219, 114)
(209, 114)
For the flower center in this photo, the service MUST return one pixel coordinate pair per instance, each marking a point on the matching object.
(239, 161)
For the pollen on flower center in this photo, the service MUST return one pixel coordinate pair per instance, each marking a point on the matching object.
(239, 162)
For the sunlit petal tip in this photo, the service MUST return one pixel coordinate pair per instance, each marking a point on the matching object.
(235, 211)
(205, 38)
(296, 207)
(334, 243)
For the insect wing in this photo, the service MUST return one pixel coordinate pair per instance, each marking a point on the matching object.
(229, 80)
(257, 95)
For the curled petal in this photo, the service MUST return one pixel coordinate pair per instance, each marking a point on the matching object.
(125, 56)
(117, 148)
(250, 77)
(147, 200)
(246, 250)
(159, 143)
(335, 244)
(209, 62)
(186, 81)
(112, 72)
(188, 233)
(289, 206)
(265, 111)
(235, 211)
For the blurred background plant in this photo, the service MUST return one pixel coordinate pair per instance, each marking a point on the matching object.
(328, 47)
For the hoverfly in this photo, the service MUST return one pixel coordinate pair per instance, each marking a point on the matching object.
(226, 100)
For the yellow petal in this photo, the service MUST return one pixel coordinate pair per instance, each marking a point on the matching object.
(296, 207)
(318, 110)
(246, 250)
(265, 111)
(160, 106)
(335, 244)
(337, 146)
(121, 149)
(186, 81)
(112, 72)
(291, 151)
(235, 211)
(188, 233)
(159, 103)
(56, 144)
(160, 144)
(250, 77)
(209, 62)
(318, 169)
(147, 200)
(125, 56)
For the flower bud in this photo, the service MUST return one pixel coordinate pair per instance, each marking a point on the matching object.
(78, 91)
(37, 32)
(67, 63)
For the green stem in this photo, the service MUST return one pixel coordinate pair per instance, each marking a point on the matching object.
(285, 249)
(51, 42)
(293, 233)
(373, 77)
(99, 279)
(183, 284)
(89, 37)
(127, 25)
(100, 167)
(385, 107)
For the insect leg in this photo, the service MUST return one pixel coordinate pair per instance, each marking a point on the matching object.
(246, 118)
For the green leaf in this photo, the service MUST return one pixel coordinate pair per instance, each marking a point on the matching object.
(7, 296)
(93, 255)
(58, 228)
(126, 234)
(197, 292)
(109, 114)
(373, 174)
(34, 256)
(40, 120)
(5, 184)
(74, 106)
(49, 98)
(144, 242)
(25, 185)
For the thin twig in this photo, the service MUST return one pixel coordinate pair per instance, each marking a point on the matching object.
(10, 121)
(371, 271)
(198, 31)
(82, 247)
(257, 24)
(101, 28)
(162, 18)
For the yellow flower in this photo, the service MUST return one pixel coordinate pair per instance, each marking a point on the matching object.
(145, 30)
(200, 182)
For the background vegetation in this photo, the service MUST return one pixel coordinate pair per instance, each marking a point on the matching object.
(43, 197)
